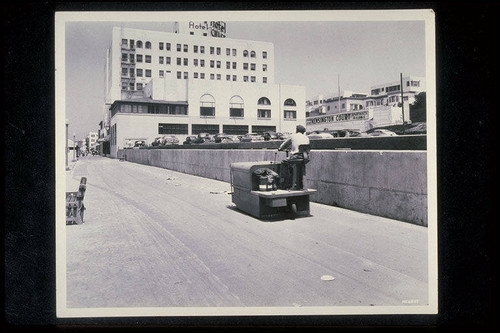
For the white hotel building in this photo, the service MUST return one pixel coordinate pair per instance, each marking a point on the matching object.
(192, 81)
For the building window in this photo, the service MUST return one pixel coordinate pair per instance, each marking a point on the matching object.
(148, 45)
(139, 44)
(218, 76)
(185, 75)
(168, 46)
(148, 73)
(202, 62)
(139, 72)
(245, 53)
(264, 79)
(264, 101)
(228, 77)
(124, 71)
(264, 54)
(160, 45)
(124, 56)
(204, 128)
(179, 75)
(245, 78)
(132, 45)
(179, 61)
(245, 66)
(139, 86)
(161, 60)
(207, 106)
(139, 58)
(228, 51)
(218, 51)
(131, 86)
(212, 50)
(124, 42)
(191, 33)
(185, 47)
(228, 65)
(234, 65)
(202, 49)
(252, 78)
(290, 102)
(235, 129)
(179, 47)
(168, 60)
(235, 77)
(264, 68)
(195, 75)
(212, 77)
(218, 64)
(252, 54)
(132, 72)
(252, 67)
(236, 108)
(148, 59)
(202, 75)
(195, 62)
(172, 128)
(263, 113)
(290, 114)
(161, 73)
(185, 61)
(234, 52)
(212, 63)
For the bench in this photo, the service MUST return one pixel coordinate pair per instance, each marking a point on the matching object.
(74, 204)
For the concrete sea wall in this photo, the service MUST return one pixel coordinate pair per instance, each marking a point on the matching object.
(391, 184)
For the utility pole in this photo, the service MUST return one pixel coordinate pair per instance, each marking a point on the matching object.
(402, 102)
(338, 87)
(67, 149)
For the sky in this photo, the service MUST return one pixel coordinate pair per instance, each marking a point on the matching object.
(312, 53)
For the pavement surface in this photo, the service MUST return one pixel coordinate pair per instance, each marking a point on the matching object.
(153, 237)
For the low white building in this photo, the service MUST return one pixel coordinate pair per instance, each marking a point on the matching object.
(362, 111)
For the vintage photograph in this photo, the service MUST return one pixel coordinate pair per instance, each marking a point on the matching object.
(245, 163)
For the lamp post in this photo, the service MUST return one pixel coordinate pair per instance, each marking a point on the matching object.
(67, 149)
(74, 148)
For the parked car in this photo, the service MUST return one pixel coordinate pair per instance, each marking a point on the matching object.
(230, 139)
(270, 136)
(219, 137)
(251, 137)
(382, 132)
(203, 137)
(190, 140)
(157, 141)
(168, 140)
(140, 143)
(320, 136)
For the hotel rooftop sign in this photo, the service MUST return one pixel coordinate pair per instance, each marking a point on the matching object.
(204, 28)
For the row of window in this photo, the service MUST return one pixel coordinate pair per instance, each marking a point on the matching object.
(395, 87)
(182, 129)
(185, 61)
(207, 108)
(205, 111)
(180, 75)
(196, 48)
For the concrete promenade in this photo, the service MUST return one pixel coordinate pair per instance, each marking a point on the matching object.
(153, 237)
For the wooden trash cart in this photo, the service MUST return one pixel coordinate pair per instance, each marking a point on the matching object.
(74, 204)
